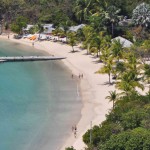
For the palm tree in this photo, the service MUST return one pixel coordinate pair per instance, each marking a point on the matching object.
(146, 74)
(107, 68)
(72, 39)
(105, 54)
(128, 82)
(88, 33)
(117, 49)
(113, 97)
(146, 47)
(97, 42)
(133, 62)
(112, 15)
(120, 68)
(82, 9)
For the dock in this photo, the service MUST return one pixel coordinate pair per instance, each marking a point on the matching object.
(29, 58)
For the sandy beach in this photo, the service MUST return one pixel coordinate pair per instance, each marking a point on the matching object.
(93, 87)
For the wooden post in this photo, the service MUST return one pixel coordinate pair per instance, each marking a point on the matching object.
(91, 133)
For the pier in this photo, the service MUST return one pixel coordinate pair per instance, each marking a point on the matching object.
(29, 58)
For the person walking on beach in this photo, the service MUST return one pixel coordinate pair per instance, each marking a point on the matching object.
(32, 43)
(75, 131)
(75, 134)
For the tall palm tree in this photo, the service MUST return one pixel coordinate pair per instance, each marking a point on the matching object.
(146, 74)
(112, 15)
(128, 82)
(105, 54)
(88, 33)
(97, 42)
(107, 68)
(82, 9)
(72, 40)
(117, 49)
(120, 68)
(113, 97)
(132, 62)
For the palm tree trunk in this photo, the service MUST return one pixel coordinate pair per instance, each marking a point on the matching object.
(97, 53)
(113, 104)
(109, 78)
(88, 47)
(72, 49)
(112, 29)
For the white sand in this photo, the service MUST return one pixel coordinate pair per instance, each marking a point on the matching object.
(93, 87)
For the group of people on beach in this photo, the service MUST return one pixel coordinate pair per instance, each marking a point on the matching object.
(74, 130)
(80, 76)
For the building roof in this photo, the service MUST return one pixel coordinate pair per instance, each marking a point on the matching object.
(125, 42)
(48, 28)
(125, 22)
(76, 28)
(29, 26)
(48, 25)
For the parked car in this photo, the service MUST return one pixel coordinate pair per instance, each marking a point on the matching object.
(17, 36)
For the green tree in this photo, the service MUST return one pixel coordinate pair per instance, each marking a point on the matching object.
(72, 40)
(141, 15)
(128, 82)
(107, 68)
(146, 47)
(69, 148)
(88, 33)
(19, 24)
(113, 97)
(129, 140)
(117, 49)
(83, 9)
(112, 16)
(133, 119)
(146, 74)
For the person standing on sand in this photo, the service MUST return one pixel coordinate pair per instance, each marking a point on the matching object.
(32, 43)
(79, 76)
(75, 131)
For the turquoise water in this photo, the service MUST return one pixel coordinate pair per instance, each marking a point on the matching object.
(38, 101)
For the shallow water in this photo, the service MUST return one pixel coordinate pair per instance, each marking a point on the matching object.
(38, 101)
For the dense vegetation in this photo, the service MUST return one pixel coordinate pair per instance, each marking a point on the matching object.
(62, 11)
(127, 126)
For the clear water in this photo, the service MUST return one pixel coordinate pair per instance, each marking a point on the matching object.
(38, 101)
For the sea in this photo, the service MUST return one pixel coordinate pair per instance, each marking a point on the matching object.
(39, 101)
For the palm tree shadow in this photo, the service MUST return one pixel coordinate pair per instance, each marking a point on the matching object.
(75, 51)
(97, 61)
(107, 83)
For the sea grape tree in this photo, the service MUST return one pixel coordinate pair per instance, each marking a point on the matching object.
(141, 15)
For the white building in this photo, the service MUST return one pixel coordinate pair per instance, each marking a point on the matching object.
(48, 28)
(76, 28)
(29, 26)
(123, 41)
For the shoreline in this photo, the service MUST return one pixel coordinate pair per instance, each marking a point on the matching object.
(92, 86)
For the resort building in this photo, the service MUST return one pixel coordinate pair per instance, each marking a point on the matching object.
(76, 28)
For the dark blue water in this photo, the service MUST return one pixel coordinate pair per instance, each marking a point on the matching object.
(38, 101)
